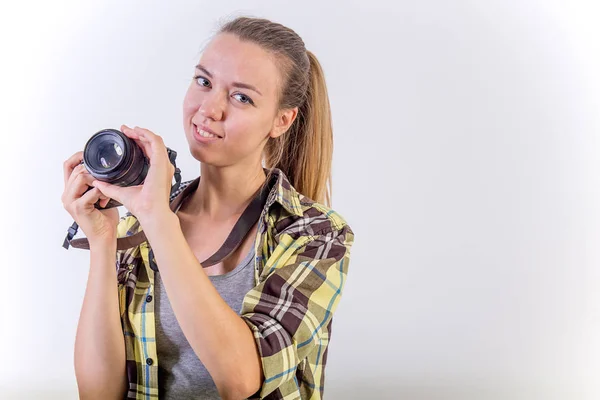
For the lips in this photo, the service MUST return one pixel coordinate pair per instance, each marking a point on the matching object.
(205, 131)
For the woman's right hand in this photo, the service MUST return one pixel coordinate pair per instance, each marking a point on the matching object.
(98, 225)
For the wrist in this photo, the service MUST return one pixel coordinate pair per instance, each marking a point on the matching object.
(102, 244)
(159, 219)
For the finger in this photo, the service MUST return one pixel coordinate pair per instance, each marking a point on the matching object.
(129, 132)
(70, 164)
(144, 132)
(110, 191)
(141, 142)
(158, 150)
(78, 170)
(103, 201)
(87, 201)
(77, 187)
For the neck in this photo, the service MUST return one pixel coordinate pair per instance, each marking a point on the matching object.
(224, 192)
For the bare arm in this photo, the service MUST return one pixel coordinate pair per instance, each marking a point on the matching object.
(99, 344)
(217, 334)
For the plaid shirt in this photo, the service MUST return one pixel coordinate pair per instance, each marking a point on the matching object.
(302, 254)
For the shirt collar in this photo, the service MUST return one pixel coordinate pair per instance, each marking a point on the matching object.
(284, 193)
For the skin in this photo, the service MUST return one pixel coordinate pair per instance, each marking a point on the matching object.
(231, 174)
(246, 119)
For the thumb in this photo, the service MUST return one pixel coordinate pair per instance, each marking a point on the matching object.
(111, 191)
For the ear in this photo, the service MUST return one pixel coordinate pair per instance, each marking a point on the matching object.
(283, 121)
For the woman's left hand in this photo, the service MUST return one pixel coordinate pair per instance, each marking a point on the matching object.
(152, 196)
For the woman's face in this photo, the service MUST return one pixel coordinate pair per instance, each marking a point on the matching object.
(230, 108)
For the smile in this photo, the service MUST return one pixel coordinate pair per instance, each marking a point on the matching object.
(205, 134)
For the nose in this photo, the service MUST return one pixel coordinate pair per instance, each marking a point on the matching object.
(212, 106)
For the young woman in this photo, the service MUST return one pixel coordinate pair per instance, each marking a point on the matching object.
(258, 323)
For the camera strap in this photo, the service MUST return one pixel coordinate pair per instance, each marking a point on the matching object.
(241, 228)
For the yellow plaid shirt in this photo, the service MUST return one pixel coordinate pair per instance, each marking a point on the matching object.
(301, 264)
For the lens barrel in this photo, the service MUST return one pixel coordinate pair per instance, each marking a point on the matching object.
(112, 157)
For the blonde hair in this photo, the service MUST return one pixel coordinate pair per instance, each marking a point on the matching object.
(305, 151)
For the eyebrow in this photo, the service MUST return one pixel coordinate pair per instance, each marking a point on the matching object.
(235, 84)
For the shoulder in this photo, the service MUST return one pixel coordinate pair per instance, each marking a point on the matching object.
(329, 219)
(294, 214)
(313, 219)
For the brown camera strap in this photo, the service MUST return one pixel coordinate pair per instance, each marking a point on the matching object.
(241, 228)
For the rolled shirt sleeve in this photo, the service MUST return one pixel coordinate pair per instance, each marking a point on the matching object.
(290, 310)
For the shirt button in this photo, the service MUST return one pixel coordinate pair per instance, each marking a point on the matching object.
(148, 298)
(149, 361)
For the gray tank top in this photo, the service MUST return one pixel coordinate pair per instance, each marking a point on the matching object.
(181, 374)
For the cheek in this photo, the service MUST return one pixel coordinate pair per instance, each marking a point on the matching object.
(191, 103)
(248, 127)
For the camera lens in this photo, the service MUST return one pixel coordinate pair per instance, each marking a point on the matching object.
(109, 155)
(112, 157)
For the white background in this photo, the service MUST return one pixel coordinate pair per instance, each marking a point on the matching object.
(466, 160)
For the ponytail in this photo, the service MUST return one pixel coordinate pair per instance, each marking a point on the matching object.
(305, 151)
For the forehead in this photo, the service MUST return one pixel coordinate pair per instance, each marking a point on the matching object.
(230, 59)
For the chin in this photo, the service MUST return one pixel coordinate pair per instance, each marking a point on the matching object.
(207, 157)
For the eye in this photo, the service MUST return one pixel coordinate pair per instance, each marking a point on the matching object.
(242, 98)
(202, 81)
